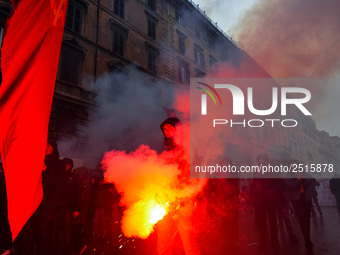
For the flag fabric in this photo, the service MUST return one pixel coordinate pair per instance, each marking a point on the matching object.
(29, 62)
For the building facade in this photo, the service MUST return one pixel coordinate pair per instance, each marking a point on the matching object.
(169, 40)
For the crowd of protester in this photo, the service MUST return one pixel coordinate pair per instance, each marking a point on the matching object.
(78, 207)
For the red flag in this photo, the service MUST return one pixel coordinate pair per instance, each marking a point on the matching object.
(29, 63)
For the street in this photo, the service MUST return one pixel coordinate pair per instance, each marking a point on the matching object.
(325, 233)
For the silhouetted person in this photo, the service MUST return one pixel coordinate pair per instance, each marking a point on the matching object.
(51, 211)
(315, 199)
(94, 180)
(301, 192)
(5, 233)
(39, 235)
(231, 199)
(334, 185)
(178, 221)
(265, 204)
(283, 210)
(103, 221)
(69, 200)
(83, 191)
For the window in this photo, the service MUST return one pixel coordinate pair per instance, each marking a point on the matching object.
(152, 55)
(119, 7)
(181, 42)
(179, 17)
(151, 28)
(183, 71)
(212, 63)
(199, 56)
(152, 4)
(71, 61)
(74, 17)
(66, 119)
(119, 40)
(199, 73)
(151, 22)
(211, 39)
(224, 55)
(197, 32)
(204, 37)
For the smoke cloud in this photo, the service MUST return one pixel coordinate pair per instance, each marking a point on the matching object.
(297, 38)
(292, 38)
(127, 113)
(151, 183)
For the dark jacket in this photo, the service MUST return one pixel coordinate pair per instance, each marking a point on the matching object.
(294, 188)
(69, 192)
(83, 192)
(334, 185)
(265, 189)
(53, 178)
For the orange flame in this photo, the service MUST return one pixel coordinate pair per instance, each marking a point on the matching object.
(149, 185)
(157, 213)
(141, 218)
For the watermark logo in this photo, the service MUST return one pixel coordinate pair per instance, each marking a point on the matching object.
(239, 99)
(235, 120)
(204, 97)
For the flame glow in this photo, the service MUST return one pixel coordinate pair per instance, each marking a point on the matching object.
(157, 212)
(142, 216)
(149, 184)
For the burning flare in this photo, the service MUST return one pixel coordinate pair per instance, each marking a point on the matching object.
(149, 185)
(157, 212)
(140, 218)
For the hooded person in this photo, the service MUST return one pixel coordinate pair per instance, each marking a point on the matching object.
(168, 128)
(334, 185)
(83, 193)
(43, 226)
(175, 232)
(69, 164)
(51, 211)
(301, 188)
(69, 204)
(53, 175)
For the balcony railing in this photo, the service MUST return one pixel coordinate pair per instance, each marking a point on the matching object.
(211, 21)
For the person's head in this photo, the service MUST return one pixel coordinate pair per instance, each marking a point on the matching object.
(169, 130)
(169, 126)
(262, 159)
(68, 163)
(49, 149)
(52, 148)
